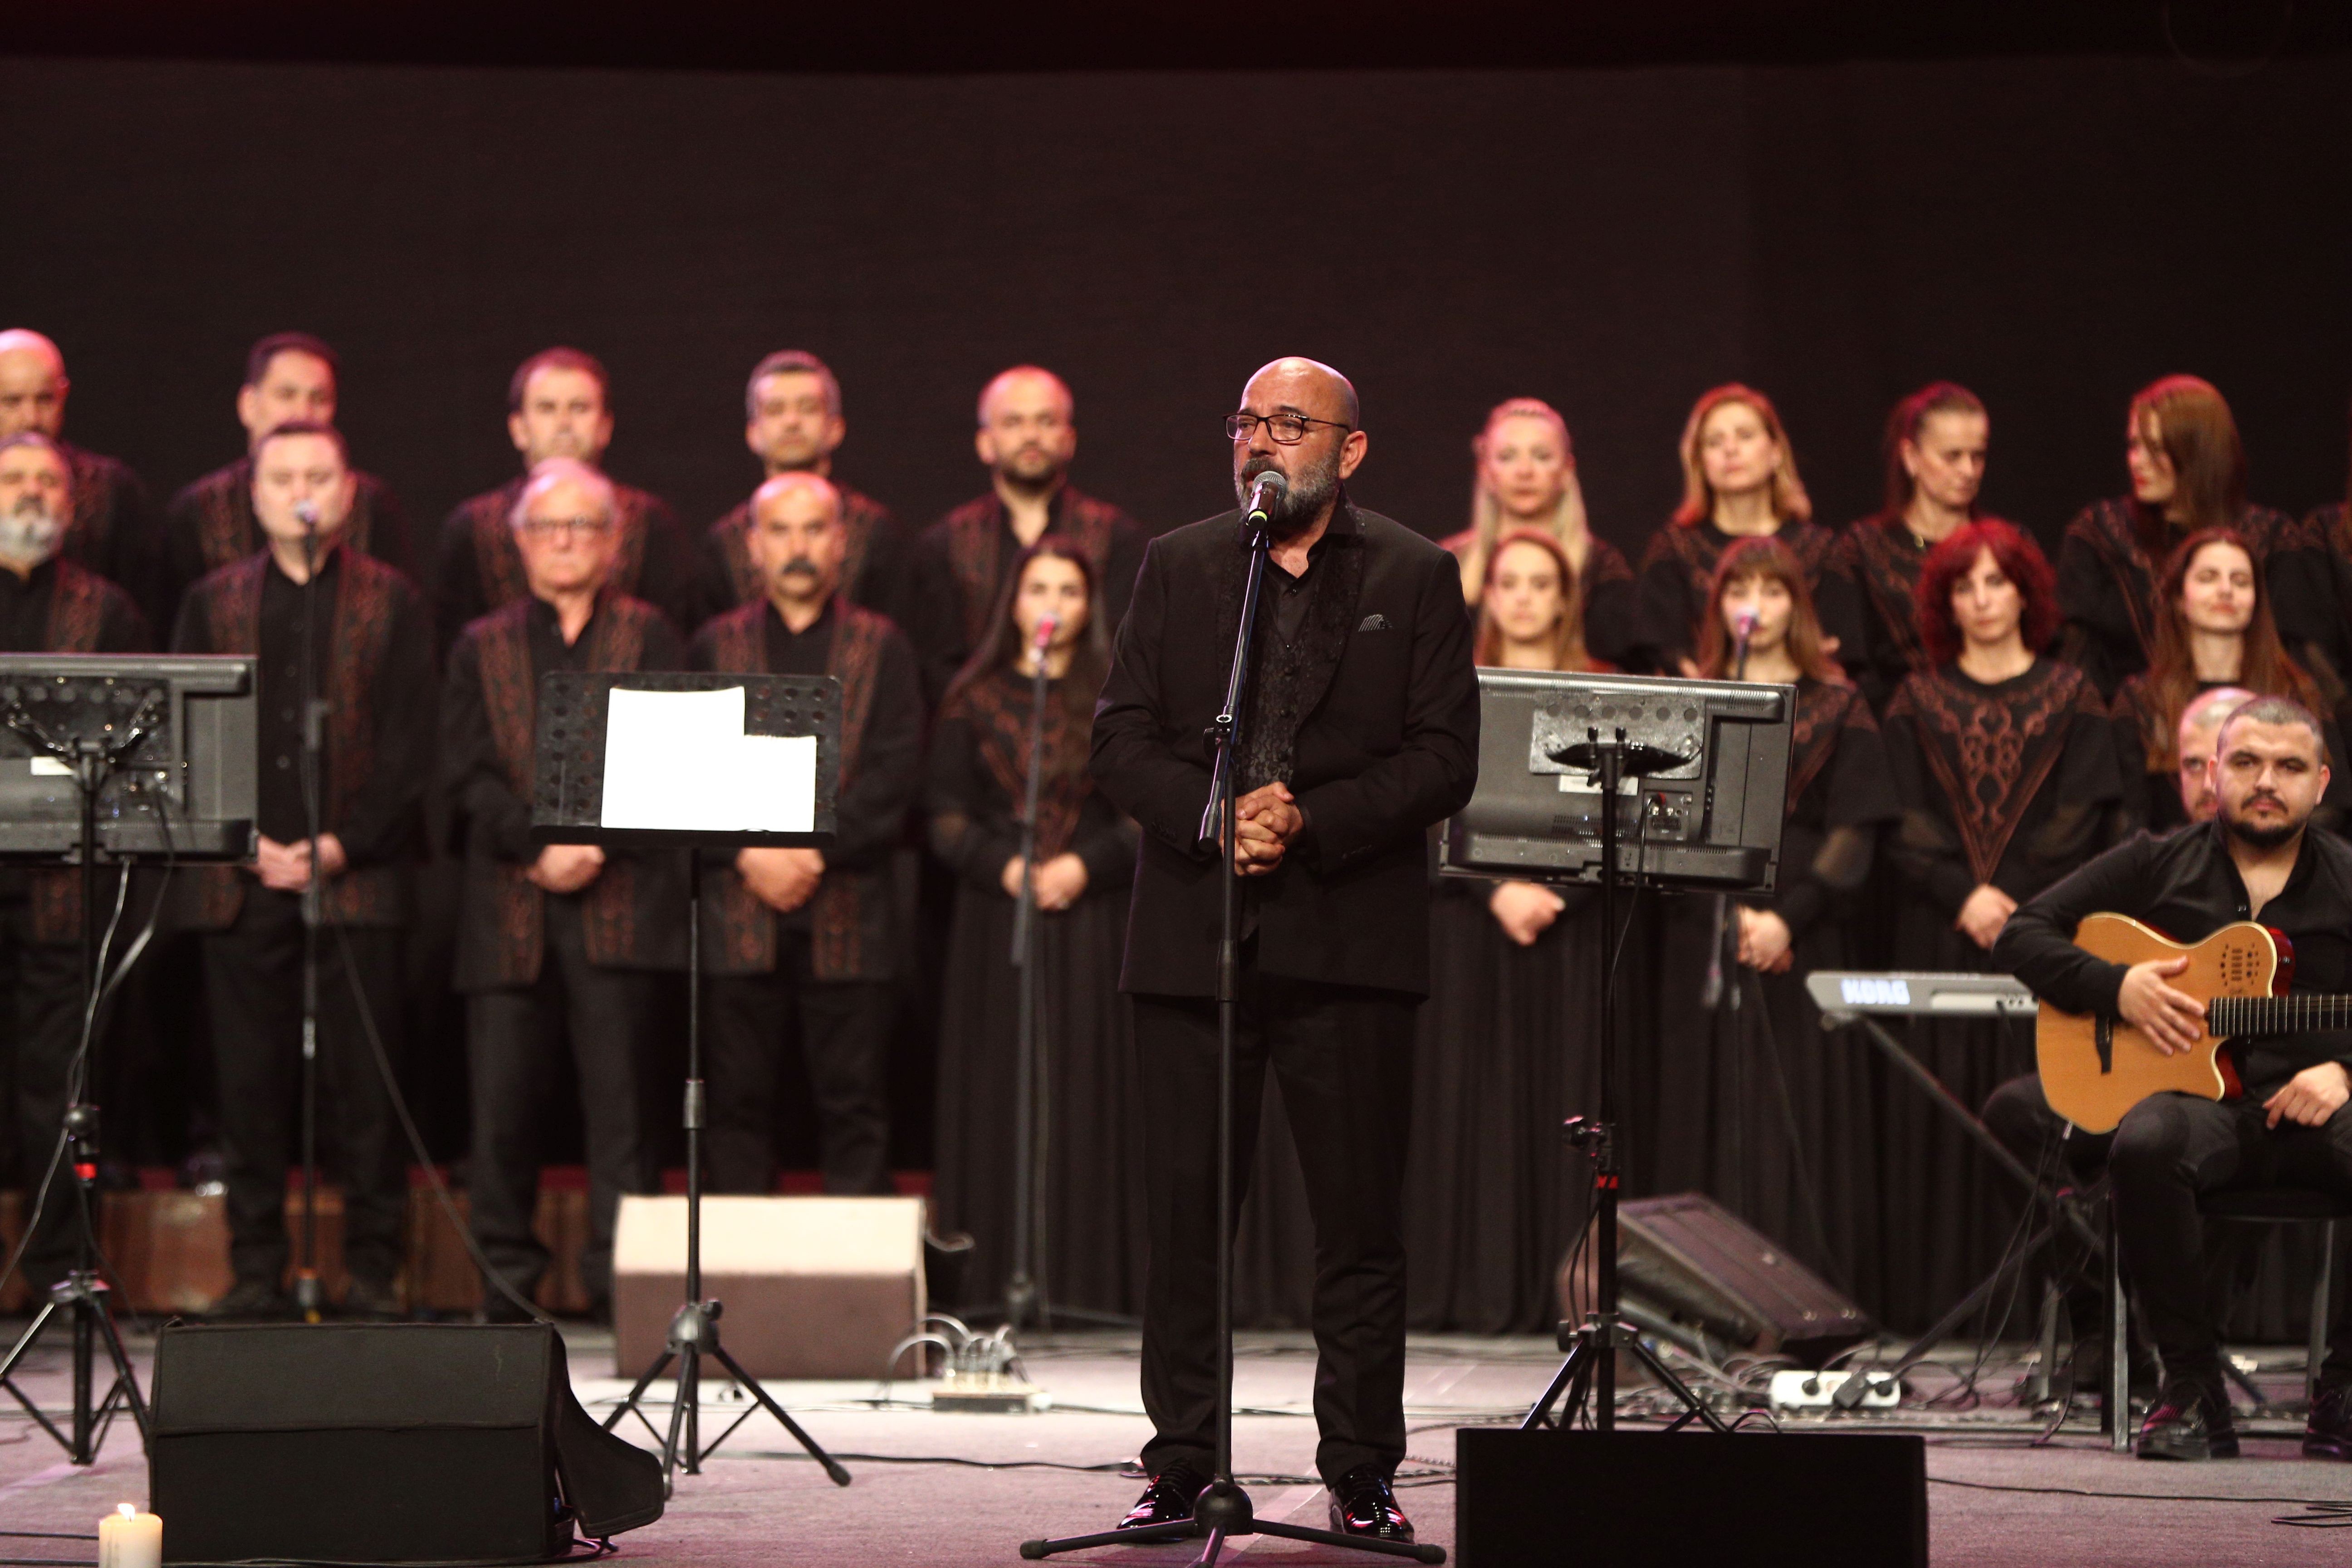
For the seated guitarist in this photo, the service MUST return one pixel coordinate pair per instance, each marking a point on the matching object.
(2283, 1122)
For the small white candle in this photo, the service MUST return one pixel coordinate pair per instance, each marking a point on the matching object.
(128, 1539)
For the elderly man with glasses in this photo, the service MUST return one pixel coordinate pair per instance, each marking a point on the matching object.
(1362, 731)
(556, 943)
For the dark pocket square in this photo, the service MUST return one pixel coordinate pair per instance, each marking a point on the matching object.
(1377, 622)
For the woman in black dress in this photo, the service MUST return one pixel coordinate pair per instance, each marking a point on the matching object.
(2213, 629)
(1527, 480)
(1739, 482)
(1507, 1039)
(2006, 769)
(2188, 473)
(1757, 1106)
(1088, 1223)
(1935, 444)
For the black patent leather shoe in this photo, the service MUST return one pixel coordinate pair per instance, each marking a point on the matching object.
(2327, 1434)
(2189, 1422)
(1362, 1504)
(1167, 1499)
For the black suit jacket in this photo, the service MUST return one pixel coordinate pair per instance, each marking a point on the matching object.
(1390, 747)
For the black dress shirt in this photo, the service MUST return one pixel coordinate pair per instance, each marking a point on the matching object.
(2185, 885)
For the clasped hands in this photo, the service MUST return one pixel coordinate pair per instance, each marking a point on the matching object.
(1267, 820)
(2173, 1021)
(286, 867)
(783, 880)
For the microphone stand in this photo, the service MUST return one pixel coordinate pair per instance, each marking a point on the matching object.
(306, 1296)
(1023, 1294)
(1222, 1509)
(1722, 966)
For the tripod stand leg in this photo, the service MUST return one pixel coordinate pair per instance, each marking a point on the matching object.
(124, 1381)
(637, 1395)
(1211, 1549)
(1569, 1370)
(832, 1466)
(1419, 1552)
(677, 1420)
(1149, 1535)
(1692, 1403)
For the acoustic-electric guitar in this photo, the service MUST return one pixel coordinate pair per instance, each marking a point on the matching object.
(2094, 1068)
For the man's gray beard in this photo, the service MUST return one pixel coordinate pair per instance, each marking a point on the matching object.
(2256, 837)
(1310, 492)
(30, 535)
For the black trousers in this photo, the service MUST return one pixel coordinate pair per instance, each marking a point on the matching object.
(513, 1038)
(253, 991)
(2019, 1114)
(2169, 1150)
(843, 1029)
(1343, 1055)
(44, 1019)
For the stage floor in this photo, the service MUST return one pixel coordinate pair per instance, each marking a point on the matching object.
(948, 1489)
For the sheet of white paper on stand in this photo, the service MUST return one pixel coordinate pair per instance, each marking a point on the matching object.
(679, 762)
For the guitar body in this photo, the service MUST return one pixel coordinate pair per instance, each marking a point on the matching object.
(2095, 1069)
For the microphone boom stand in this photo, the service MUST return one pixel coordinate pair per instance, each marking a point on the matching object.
(1025, 1294)
(307, 1298)
(1222, 1509)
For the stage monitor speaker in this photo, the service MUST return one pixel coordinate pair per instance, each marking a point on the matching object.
(1647, 1499)
(813, 1288)
(1691, 1257)
(388, 1443)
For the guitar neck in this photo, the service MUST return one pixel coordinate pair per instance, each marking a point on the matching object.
(2230, 1017)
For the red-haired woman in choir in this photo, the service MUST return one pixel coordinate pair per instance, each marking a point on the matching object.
(2213, 629)
(2188, 473)
(2006, 768)
(1935, 449)
(1089, 1224)
(1755, 1104)
(1739, 482)
(1527, 480)
(1506, 1036)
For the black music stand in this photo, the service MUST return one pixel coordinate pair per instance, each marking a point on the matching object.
(120, 759)
(1710, 764)
(568, 807)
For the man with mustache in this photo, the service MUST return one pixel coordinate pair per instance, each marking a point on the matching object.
(560, 404)
(556, 942)
(48, 604)
(792, 422)
(1362, 731)
(2282, 1122)
(109, 531)
(211, 524)
(371, 663)
(799, 942)
(1028, 434)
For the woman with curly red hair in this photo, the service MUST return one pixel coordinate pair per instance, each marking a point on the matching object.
(2006, 769)
(1739, 482)
(1770, 1115)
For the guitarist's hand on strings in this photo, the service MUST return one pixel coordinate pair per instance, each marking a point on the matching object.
(2311, 1096)
(2172, 1020)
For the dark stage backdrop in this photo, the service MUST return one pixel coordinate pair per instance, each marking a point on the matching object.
(2053, 233)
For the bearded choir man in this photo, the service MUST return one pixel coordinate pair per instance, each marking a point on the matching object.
(1935, 444)
(2188, 473)
(1087, 1224)
(1754, 1104)
(211, 523)
(560, 404)
(2006, 771)
(558, 944)
(1028, 435)
(1508, 1041)
(108, 532)
(310, 598)
(803, 941)
(48, 604)
(792, 422)
(1739, 482)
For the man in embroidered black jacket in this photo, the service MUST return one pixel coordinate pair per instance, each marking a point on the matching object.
(1361, 731)
(108, 532)
(556, 943)
(373, 662)
(48, 604)
(805, 934)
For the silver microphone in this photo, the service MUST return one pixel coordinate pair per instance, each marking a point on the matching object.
(306, 512)
(1048, 626)
(1266, 492)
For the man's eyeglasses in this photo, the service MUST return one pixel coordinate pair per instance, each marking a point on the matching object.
(550, 527)
(1288, 429)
